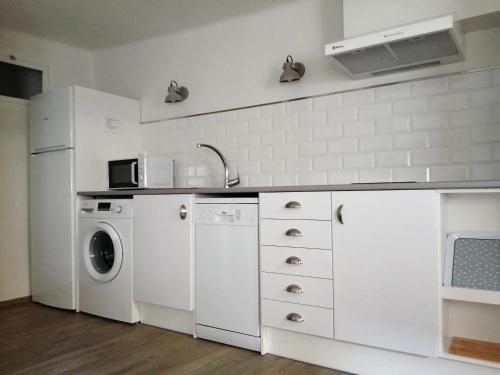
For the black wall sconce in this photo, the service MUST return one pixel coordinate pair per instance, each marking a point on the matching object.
(292, 71)
(176, 93)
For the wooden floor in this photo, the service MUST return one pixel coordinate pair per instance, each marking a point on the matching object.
(35, 339)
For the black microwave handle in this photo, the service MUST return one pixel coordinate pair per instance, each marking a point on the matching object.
(132, 172)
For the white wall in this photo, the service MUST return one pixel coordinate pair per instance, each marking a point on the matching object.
(66, 65)
(14, 254)
(237, 62)
(438, 129)
(359, 14)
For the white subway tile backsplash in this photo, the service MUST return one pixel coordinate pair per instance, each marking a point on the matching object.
(272, 110)
(449, 102)
(410, 141)
(468, 154)
(375, 175)
(285, 179)
(375, 143)
(371, 111)
(298, 106)
(343, 177)
(248, 114)
(359, 97)
(358, 161)
(397, 91)
(448, 173)
(284, 122)
(429, 157)
(343, 146)
(471, 80)
(392, 159)
(327, 163)
(431, 120)
(260, 125)
(313, 178)
(237, 128)
(260, 153)
(486, 134)
(342, 114)
(299, 135)
(409, 106)
(272, 166)
(490, 171)
(410, 174)
(327, 132)
(312, 148)
(273, 138)
(430, 86)
(449, 137)
(327, 102)
(285, 151)
(471, 117)
(355, 128)
(299, 165)
(311, 119)
(445, 128)
(249, 140)
(392, 125)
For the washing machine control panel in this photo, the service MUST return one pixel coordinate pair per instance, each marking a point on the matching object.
(106, 208)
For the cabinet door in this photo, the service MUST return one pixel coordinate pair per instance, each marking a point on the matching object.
(385, 269)
(163, 251)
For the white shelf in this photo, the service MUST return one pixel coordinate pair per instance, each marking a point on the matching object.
(470, 295)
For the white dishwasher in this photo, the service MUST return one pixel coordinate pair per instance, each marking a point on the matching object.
(227, 271)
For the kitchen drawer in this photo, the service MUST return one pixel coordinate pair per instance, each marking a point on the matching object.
(313, 262)
(308, 290)
(302, 205)
(317, 320)
(309, 233)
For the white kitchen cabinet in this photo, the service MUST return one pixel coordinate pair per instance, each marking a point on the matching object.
(385, 269)
(163, 250)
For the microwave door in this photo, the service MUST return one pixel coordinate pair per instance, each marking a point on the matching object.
(122, 174)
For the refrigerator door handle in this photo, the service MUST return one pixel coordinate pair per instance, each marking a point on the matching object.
(132, 172)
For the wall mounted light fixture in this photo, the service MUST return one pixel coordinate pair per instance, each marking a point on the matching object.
(292, 71)
(176, 93)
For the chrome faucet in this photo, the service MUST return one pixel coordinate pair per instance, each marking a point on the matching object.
(227, 181)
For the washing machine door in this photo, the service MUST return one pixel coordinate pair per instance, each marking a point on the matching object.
(103, 253)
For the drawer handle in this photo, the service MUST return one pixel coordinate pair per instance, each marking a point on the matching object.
(293, 204)
(293, 260)
(293, 288)
(294, 317)
(340, 214)
(293, 232)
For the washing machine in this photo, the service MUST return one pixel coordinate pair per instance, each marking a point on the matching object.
(105, 259)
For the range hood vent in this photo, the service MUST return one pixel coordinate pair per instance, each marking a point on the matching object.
(412, 46)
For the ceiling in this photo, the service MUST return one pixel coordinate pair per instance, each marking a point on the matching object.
(97, 24)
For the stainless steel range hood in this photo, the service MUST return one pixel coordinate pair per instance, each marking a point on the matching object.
(422, 44)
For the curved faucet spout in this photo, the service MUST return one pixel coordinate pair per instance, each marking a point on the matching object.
(227, 181)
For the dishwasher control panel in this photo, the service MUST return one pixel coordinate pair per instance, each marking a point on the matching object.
(230, 214)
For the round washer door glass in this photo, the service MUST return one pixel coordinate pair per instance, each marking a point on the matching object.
(103, 253)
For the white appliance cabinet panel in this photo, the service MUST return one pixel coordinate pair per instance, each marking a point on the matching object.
(385, 269)
(164, 251)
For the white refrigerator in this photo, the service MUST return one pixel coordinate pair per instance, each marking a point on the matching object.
(73, 132)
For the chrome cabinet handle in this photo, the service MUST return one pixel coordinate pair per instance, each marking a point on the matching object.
(294, 317)
(293, 204)
(293, 232)
(183, 212)
(293, 288)
(293, 260)
(340, 214)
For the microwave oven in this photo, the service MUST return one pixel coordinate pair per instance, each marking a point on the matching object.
(144, 172)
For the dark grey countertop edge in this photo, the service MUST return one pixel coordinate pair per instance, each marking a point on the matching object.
(494, 184)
